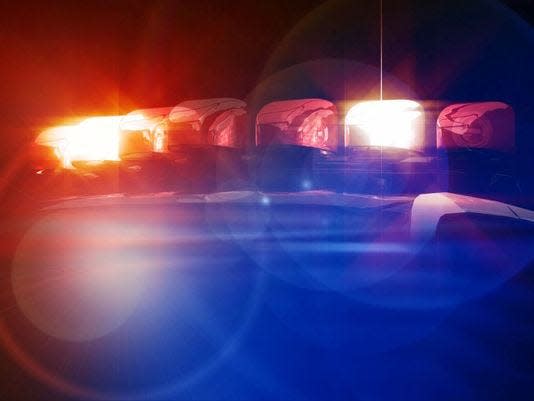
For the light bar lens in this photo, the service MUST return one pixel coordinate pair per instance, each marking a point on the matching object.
(301, 122)
(139, 132)
(206, 122)
(385, 123)
(482, 125)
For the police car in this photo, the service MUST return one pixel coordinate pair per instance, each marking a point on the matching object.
(306, 249)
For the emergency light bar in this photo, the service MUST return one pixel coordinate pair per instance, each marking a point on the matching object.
(304, 122)
(484, 125)
(215, 122)
(395, 123)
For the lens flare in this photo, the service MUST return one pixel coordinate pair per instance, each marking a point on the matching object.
(76, 280)
(385, 123)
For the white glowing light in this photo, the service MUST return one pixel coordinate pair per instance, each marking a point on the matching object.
(385, 123)
(94, 139)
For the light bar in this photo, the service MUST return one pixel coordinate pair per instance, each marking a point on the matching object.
(395, 123)
(302, 122)
(483, 125)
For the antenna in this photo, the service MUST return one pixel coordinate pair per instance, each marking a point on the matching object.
(381, 53)
(381, 23)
